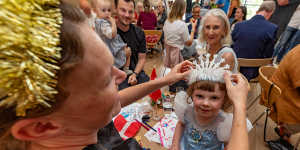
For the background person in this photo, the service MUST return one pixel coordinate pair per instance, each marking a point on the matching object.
(161, 15)
(239, 16)
(139, 9)
(255, 38)
(215, 32)
(134, 37)
(147, 19)
(194, 18)
(223, 4)
(289, 38)
(234, 4)
(106, 28)
(283, 13)
(176, 36)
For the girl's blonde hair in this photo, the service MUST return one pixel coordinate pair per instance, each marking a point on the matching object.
(209, 86)
(177, 11)
(147, 6)
(226, 40)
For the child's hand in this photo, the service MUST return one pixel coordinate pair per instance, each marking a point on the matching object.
(237, 93)
(194, 23)
(111, 20)
(127, 51)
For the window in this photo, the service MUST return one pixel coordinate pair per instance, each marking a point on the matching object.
(252, 6)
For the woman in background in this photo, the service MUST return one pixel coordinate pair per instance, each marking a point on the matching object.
(239, 16)
(215, 32)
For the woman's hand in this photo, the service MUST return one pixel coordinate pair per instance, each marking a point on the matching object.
(179, 72)
(237, 93)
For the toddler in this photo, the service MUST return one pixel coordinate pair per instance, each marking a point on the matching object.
(202, 122)
(106, 28)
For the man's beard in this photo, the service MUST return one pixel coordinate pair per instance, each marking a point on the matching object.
(123, 23)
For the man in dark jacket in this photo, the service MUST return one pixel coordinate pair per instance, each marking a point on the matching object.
(134, 37)
(255, 38)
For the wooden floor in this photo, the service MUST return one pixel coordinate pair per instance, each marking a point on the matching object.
(254, 110)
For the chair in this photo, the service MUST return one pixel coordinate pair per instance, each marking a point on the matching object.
(265, 73)
(152, 38)
(243, 62)
(269, 92)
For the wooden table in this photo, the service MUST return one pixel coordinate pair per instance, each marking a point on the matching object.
(143, 140)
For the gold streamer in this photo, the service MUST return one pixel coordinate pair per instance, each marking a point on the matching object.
(29, 52)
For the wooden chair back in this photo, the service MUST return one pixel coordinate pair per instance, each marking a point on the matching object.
(152, 37)
(269, 91)
(243, 62)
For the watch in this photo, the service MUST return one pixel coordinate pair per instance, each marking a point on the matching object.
(136, 74)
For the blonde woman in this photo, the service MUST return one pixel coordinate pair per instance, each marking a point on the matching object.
(215, 32)
(176, 34)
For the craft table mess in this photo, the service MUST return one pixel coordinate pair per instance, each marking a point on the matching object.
(162, 139)
(129, 123)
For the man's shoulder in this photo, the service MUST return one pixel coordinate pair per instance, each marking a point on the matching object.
(273, 26)
(268, 26)
(137, 30)
(241, 24)
(132, 29)
(257, 22)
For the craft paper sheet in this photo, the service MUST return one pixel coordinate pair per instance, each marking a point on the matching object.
(167, 129)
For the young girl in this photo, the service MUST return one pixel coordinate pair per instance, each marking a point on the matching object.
(106, 28)
(202, 122)
(147, 19)
(176, 34)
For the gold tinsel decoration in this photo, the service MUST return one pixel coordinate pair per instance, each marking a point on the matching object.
(29, 52)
